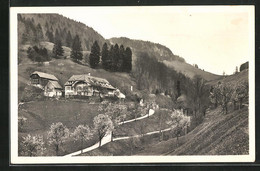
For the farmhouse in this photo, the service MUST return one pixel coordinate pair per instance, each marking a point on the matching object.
(53, 89)
(41, 78)
(86, 85)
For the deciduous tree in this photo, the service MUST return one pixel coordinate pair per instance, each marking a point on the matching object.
(57, 135)
(33, 145)
(178, 123)
(116, 112)
(103, 126)
(82, 133)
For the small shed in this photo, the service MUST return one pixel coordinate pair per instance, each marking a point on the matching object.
(53, 89)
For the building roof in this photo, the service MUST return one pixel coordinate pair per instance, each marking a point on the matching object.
(45, 75)
(94, 81)
(56, 84)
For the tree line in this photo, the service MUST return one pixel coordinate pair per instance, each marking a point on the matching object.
(114, 59)
(223, 94)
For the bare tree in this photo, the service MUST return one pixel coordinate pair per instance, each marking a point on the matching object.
(224, 92)
(240, 93)
(178, 123)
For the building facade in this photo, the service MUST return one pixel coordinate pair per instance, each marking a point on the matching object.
(86, 85)
(53, 89)
(41, 78)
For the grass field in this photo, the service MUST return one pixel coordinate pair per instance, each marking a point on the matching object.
(41, 114)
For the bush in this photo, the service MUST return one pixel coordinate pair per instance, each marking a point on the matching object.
(31, 93)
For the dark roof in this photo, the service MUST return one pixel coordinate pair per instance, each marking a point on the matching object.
(94, 81)
(56, 84)
(45, 75)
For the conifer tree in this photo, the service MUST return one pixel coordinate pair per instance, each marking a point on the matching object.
(68, 39)
(39, 32)
(128, 59)
(104, 56)
(94, 56)
(57, 36)
(121, 58)
(115, 58)
(110, 57)
(49, 35)
(76, 53)
(57, 49)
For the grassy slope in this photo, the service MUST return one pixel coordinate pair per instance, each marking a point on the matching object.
(190, 70)
(68, 68)
(162, 53)
(41, 114)
(218, 135)
(239, 77)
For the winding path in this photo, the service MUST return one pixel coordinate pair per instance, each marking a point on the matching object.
(107, 138)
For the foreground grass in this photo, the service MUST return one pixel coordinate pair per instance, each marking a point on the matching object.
(218, 134)
(41, 114)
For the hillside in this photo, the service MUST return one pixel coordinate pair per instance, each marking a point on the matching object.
(33, 29)
(218, 134)
(63, 69)
(51, 22)
(190, 71)
(159, 51)
(238, 77)
(165, 55)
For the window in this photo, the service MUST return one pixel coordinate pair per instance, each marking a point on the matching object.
(68, 88)
(35, 81)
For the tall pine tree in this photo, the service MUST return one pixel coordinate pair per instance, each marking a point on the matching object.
(68, 39)
(104, 56)
(128, 60)
(57, 49)
(115, 58)
(49, 35)
(94, 56)
(121, 58)
(57, 36)
(76, 52)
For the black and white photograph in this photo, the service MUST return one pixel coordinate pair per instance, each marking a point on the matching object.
(139, 84)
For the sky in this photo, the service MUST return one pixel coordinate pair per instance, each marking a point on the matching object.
(217, 39)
